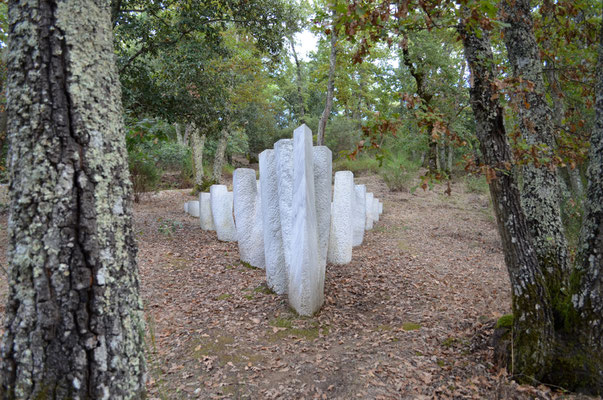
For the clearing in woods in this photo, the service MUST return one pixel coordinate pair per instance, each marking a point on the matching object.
(409, 317)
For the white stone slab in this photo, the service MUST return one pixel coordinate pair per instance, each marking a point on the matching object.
(342, 222)
(205, 216)
(276, 270)
(248, 217)
(221, 209)
(283, 152)
(380, 208)
(376, 209)
(193, 208)
(369, 211)
(306, 295)
(186, 207)
(323, 171)
(359, 214)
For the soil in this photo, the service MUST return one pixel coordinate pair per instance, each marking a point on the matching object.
(409, 318)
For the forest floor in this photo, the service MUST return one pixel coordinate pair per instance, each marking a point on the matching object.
(409, 318)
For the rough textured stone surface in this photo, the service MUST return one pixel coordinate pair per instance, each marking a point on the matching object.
(248, 217)
(283, 151)
(323, 171)
(380, 208)
(376, 209)
(193, 208)
(359, 215)
(276, 269)
(186, 207)
(205, 216)
(306, 285)
(342, 221)
(221, 209)
(369, 211)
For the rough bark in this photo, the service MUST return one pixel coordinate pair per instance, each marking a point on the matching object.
(198, 144)
(588, 275)
(533, 335)
(179, 137)
(322, 123)
(539, 194)
(219, 156)
(300, 97)
(74, 321)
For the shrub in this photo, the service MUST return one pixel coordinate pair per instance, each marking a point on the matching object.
(476, 184)
(360, 165)
(143, 172)
(398, 173)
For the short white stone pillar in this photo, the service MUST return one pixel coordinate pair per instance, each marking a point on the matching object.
(323, 171)
(186, 207)
(276, 270)
(205, 216)
(342, 221)
(369, 211)
(248, 217)
(376, 209)
(359, 214)
(306, 285)
(193, 208)
(380, 208)
(221, 209)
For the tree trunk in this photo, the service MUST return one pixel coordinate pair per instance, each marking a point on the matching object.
(322, 124)
(178, 130)
(74, 318)
(300, 97)
(219, 156)
(198, 144)
(533, 335)
(539, 195)
(588, 275)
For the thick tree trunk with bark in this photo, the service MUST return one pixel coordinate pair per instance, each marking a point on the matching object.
(198, 144)
(539, 194)
(322, 123)
(74, 323)
(533, 336)
(219, 156)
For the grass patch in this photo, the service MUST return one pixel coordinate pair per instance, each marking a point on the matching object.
(449, 342)
(281, 322)
(248, 266)
(288, 328)
(263, 289)
(506, 321)
(410, 326)
(358, 166)
(224, 296)
(476, 184)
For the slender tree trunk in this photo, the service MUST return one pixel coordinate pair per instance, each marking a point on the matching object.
(322, 124)
(300, 97)
(179, 136)
(540, 196)
(533, 336)
(450, 154)
(219, 156)
(198, 144)
(74, 319)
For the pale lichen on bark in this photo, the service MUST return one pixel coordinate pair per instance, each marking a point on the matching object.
(74, 324)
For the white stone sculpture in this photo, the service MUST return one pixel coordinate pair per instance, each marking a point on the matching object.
(323, 170)
(193, 208)
(376, 209)
(342, 222)
(276, 269)
(306, 285)
(205, 215)
(221, 209)
(186, 207)
(380, 208)
(369, 211)
(283, 153)
(248, 217)
(359, 214)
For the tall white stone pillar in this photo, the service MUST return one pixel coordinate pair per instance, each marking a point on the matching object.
(305, 292)
(323, 171)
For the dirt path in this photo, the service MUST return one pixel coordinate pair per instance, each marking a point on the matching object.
(405, 319)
